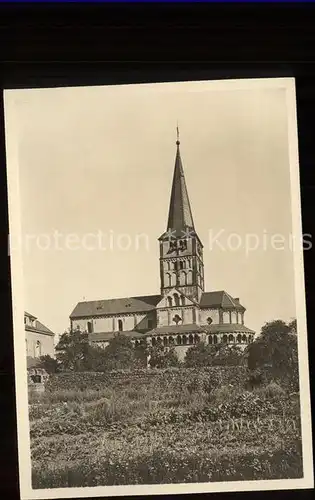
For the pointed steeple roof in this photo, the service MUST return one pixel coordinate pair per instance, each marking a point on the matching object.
(180, 216)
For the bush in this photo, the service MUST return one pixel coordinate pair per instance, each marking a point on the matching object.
(256, 378)
(272, 390)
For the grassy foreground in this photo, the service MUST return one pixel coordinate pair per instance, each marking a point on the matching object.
(166, 426)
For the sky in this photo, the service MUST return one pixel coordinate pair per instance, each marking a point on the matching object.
(100, 160)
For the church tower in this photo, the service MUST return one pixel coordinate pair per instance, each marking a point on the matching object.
(181, 251)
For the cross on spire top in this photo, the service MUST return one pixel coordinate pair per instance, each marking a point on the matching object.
(177, 131)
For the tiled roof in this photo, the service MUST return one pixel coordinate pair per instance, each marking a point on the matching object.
(38, 328)
(29, 315)
(116, 306)
(106, 336)
(175, 329)
(227, 328)
(219, 299)
(192, 328)
(144, 304)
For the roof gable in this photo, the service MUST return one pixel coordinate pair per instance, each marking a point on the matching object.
(39, 328)
(162, 303)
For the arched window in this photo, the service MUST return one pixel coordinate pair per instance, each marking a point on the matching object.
(168, 265)
(181, 264)
(210, 339)
(159, 340)
(120, 325)
(173, 279)
(233, 317)
(179, 340)
(184, 339)
(169, 301)
(231, 338)
(224, 339)
(194, 318)
(215, 339)
(183, 300)
(191, 339)
(170, 340)
(189, 277)
(239, 338)
(226, 317)
(168, 279)
(38, 349)
(197, 339)
(90, 326)
(244, 339)
(165, 340)
(182, 278)
(176, 299)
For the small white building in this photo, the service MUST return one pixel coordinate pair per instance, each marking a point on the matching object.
(39, 339)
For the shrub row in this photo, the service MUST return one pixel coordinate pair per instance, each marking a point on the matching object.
(165, 467)
(206, 378)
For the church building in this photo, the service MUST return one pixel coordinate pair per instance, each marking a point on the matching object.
(183, 313)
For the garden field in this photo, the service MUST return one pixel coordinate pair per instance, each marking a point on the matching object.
(163, 426)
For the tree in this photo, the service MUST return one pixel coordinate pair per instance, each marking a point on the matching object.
(200, 355)
(293, 326)
(121, 354)
(228, 355)
(161, 357)
(73, 350)
(213, 355)
(275, 350)
(49, 364)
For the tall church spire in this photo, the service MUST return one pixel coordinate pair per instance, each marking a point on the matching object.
(181, 251)
(180, 216)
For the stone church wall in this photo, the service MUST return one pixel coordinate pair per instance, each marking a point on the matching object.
(204, 314)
